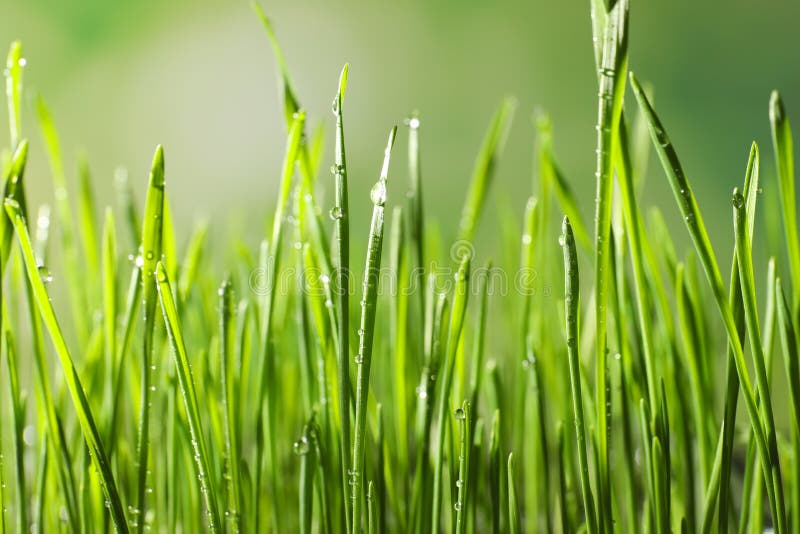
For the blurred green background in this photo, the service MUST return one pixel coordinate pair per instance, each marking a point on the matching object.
(199, 77)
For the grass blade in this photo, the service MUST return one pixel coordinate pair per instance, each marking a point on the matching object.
(482, 175)
(367, 331)
(341, 215)
(458, 308)
(84, 412)
(189, 394)
(230, 385)
(513, 504)
(784, 162)
(572, 311)
(694, 222)
(150, 254)
(612, 72)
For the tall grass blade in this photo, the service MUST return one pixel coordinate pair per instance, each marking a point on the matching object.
(84, 412)
(572, 312)
(186, 381)
(367, 331)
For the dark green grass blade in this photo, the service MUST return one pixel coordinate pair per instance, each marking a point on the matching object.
(784, 161)
(186, 381)
(612, 72)
(572, 311)
(454, 331)
(367, 332)
(485, 166)
(82, 408)
(697, 230)
(341, 215)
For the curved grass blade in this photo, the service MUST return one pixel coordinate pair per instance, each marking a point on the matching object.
(150, 253)
(14, 189)
(751, 188)
(483, 173)
(367, 331)
(744, 256)
(65, 220)
(84, 412)
(186, 382)
(697, 230)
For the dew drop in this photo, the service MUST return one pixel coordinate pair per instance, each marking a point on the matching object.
(460, 415)
(738, 200)
(336, 213)
(562, 240)
(457, 506)
(301, 447)
(45, 274)
(378, 193)
(149, 255)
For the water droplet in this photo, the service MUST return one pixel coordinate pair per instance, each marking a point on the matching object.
(378, 193)
(422, 393)
(738, 200)
(459, 483)
(45, 274)
(139, 261)
(460, 415)
(336, 213)
(413, 123)
(562, 240)
(526, 239)
(457, 506)
(22, 62)
(149, 255)
(359, 359)
(301, 447)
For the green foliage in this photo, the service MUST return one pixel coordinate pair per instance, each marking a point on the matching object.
(608, 405)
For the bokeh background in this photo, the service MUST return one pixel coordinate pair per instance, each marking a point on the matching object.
(199, 77)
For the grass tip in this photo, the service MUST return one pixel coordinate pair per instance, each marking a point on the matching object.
(776, 109)
(343, 82)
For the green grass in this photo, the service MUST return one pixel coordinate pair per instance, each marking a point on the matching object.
(192, 388)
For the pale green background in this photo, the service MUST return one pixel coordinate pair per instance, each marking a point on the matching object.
(122, 76)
